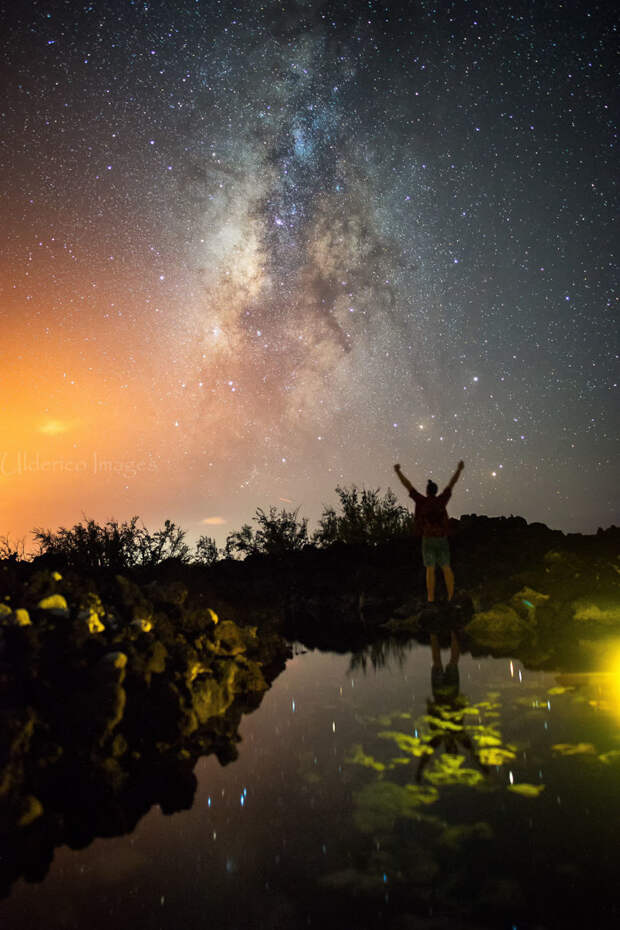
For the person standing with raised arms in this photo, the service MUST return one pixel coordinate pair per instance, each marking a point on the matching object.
(431, 517)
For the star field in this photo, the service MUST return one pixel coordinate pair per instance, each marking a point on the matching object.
(255, 251)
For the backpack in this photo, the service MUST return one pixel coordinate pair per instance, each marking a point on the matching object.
(430, 515)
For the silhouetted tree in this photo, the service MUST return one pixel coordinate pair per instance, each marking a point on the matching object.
(207, 551)
(363, 517)
(90, 546)
(277, 531)
(167, 543)
(280, 531)
(240, 543)
(12, 550)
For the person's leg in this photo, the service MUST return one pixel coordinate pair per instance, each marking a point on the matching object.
(448, 575)
(443, 559)
(430, 583)
(455, 649)
(428, 557)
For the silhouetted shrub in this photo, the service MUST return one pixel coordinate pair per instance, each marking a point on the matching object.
(364, 517)
(278, 531)
(207, 551)
(90, 546)
(241, 543)
(167, 543)
(16, 551)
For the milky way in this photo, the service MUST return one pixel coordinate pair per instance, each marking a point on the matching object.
(264, 250)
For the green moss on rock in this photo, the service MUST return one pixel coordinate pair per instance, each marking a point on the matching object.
(500, 627)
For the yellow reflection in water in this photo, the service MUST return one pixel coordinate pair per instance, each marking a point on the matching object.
(601, 688)
(613, 675)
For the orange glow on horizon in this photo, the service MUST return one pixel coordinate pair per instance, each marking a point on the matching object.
(74, 441)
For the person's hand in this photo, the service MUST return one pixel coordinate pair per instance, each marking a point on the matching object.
(397, 468)
(461, 465)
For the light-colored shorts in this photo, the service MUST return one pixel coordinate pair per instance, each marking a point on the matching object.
(435, 551)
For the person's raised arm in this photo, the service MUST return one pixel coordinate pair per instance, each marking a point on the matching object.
(403, 480)
(455, 476)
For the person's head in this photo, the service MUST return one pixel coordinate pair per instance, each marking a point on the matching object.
(431, 488)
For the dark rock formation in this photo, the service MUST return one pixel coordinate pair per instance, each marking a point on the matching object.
(106, 703)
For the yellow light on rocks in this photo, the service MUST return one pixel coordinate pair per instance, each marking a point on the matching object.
(53, 602)
(22, 617)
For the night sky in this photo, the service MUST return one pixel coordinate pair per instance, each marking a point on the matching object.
(253, 251)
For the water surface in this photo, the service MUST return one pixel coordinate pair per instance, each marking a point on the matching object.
(375, 793)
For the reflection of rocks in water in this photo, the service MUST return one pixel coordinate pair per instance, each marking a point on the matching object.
(418, 616)
(101, 721)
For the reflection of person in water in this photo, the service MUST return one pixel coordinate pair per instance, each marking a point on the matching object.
(445, 682)
(446, 710)
(431, 517)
